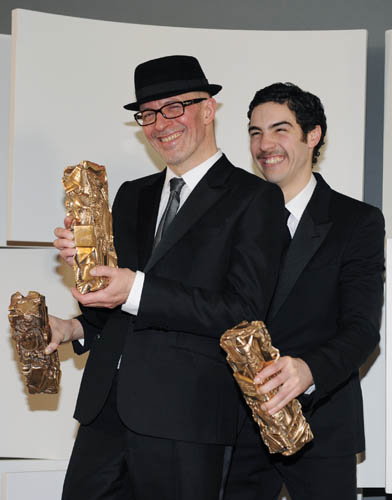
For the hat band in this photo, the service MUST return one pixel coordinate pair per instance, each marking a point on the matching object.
(171, 86)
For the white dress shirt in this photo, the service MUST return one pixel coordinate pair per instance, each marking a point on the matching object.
(297, 205)
(191, 179)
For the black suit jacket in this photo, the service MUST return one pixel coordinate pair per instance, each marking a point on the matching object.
(216, 265)
(326, 310)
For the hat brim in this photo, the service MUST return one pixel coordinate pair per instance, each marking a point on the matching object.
(210, 88)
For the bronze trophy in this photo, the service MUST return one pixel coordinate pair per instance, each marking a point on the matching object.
(249, 349)
(87, 202)
(28, 317)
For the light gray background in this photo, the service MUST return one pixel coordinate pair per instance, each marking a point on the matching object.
(5, 61)
(55, 120)
(373, 15)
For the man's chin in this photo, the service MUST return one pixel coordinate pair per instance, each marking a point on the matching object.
(273, 178)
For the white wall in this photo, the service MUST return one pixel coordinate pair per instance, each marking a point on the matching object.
(72, 76)
(387, 172)
(5, 63)
(32, 479)
(41, 425)
(388, 372)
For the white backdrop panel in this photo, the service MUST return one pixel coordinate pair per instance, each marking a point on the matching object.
(387, 171)
(388, 372)
(371, 470)
(36, 426)
(5, 62)
(72, 76)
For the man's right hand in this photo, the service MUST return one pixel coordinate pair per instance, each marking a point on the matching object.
(65, 241)
(63, 330)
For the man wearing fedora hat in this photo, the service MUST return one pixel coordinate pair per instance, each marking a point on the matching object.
(198, 249)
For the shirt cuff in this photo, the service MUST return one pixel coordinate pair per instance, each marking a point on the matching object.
(310, 389)
(131, 306)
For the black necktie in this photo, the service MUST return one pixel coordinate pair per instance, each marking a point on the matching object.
(287, 232)
(176, 184)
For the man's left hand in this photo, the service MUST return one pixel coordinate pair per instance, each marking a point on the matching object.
(291, 375)
(116, 293)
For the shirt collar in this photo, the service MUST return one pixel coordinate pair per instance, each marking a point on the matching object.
(297, 205)
(194, 176)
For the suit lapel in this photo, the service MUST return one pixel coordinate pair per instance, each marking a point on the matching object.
(310, 234)
(207, 192)
(148, 208)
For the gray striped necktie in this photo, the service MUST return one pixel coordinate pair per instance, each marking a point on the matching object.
(176, 184)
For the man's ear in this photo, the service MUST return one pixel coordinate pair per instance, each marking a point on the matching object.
(209, 110)
(314, 136)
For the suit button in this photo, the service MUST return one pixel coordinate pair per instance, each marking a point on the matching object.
(97, 336)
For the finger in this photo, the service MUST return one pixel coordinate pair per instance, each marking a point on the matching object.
(65, 253)
(267, 372)
(51, 347)
(93, 299)
(63, 233)
(61, 244)
(68, 222)
(270, 385)
(77, 295)
(277, 405)
(68, 255)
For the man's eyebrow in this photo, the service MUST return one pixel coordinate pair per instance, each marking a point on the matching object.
(277, 124)
(283, 122)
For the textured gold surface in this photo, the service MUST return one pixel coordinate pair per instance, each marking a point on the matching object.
(87, 202)
(28, 318)
(248, 347)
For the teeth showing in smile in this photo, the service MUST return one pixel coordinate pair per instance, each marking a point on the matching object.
(171, 137)
(272, 160)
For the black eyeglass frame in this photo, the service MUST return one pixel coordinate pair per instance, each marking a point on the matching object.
(184, 104)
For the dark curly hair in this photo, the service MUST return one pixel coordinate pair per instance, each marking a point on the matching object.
(307, 108)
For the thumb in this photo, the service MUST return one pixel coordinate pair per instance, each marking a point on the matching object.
(51, 348)
(102, 271)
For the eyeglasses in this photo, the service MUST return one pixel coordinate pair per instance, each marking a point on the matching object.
(168, 111)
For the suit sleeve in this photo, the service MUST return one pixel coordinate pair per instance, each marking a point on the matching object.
(256, 246)
(92, 323)
(94, 319)
(360, 299)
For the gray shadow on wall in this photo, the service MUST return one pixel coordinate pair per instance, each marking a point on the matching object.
(363, 371)
(50, 402)
(152, 155)
(65, 272)
(46, 402)
(66, 352)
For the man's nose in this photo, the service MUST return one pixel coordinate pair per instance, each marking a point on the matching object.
(161, 122)
(266, 142)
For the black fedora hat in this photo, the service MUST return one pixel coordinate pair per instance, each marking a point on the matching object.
(169, 76)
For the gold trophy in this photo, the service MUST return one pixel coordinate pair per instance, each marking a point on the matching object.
(87, 202)
(248, 348)
(28, 317)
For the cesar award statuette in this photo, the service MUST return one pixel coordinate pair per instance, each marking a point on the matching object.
(87, 202)
(28, 317)
(248, 347)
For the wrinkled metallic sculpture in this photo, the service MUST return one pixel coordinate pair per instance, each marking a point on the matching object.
(248, 347)
(28, 317)
(87, 202)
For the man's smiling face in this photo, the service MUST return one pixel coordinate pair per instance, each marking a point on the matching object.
(181, 141)
(279, 148)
